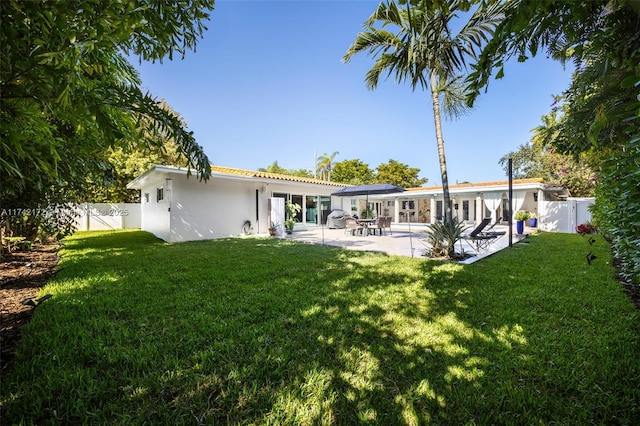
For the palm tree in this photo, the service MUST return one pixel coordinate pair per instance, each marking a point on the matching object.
(424, 52)
(325, 164)
(545, 133)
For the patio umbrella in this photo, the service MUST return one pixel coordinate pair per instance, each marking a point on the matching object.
(375, 189)
(378, 188)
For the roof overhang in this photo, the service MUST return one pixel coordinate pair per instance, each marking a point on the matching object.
(154, 173)
(484, 187)
(159, 171)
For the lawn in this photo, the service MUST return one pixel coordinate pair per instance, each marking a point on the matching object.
(266, 331)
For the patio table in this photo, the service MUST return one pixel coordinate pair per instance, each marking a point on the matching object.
(366, 223)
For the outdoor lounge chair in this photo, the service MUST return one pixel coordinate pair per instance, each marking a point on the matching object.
(477, 238)
(490, 232)
(485, 239)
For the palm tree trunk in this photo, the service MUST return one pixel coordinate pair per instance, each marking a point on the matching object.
(435, 97)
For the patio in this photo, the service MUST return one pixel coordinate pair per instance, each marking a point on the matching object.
(403, 241)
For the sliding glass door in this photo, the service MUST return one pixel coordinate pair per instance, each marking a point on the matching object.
(311, 208)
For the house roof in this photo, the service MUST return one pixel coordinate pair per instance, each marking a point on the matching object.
(480, 185)
(230, 173)
(234, 173)
(491, 186)
(274, 176)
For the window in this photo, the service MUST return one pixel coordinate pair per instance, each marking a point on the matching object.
(390, 203)
(159, 194)
(439, 210)
(146, 197)
(465, 209)
(408, 205)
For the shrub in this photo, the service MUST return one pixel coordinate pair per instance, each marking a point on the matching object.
(443, 236)
(586, 228)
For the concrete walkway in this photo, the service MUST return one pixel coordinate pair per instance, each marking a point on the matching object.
(404, 240)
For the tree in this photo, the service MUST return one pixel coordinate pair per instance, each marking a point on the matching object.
(425, 52)
(526, 162)
(601, 117)
(275, 168)
(354, 172)
(68, 94)
(399, 174)
(125, 164)
(325, 164)
(539, 159)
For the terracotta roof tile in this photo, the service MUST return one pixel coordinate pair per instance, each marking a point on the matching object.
(275, 176)
(478, 185)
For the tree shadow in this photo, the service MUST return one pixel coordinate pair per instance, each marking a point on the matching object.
(272, 331)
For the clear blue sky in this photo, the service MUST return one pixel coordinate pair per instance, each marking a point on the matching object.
(267, 83)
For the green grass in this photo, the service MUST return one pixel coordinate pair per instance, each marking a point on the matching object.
(265, 331)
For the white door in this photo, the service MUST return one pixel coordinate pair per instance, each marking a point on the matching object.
(276, 213)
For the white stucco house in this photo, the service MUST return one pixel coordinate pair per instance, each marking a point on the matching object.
(177, 208)
(234, 202)
(471, 202)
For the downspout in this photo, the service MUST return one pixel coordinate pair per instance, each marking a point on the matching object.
(257, 210)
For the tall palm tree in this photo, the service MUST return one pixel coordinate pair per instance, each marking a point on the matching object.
(545, 133)
(325, 164)
(425, 52)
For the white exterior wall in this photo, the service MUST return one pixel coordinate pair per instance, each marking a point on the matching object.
(564, 216)
(195, 210)
(107, 216)
(554, 216)
(342, 203)
(133, 218)
(214, 209)
(155, 215)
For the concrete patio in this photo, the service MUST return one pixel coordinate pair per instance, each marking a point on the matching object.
(404, 240)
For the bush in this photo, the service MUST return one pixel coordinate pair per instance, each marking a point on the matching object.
(443, 236)
(586, 228)
(617, 208)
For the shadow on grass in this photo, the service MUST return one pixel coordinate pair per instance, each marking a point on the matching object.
(269, 331)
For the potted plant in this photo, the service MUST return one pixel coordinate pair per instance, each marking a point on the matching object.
(533, 220)
(292, 209)
(424, 215)
(273, 229)
(520, 217)
(288, 225)
(367, 214)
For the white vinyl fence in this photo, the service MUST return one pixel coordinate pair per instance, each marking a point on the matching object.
(564, 216)
(104, 216)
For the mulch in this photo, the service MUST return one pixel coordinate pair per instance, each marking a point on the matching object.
(22, 274)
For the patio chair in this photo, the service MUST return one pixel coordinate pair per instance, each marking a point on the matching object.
(485, 239)
(379, 226)
(387, 223)
(351, 226)
(490, 234)
(476, 236)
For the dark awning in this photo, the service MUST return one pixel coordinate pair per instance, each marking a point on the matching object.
(380, 188)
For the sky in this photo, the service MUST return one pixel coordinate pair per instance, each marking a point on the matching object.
(267, 83)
